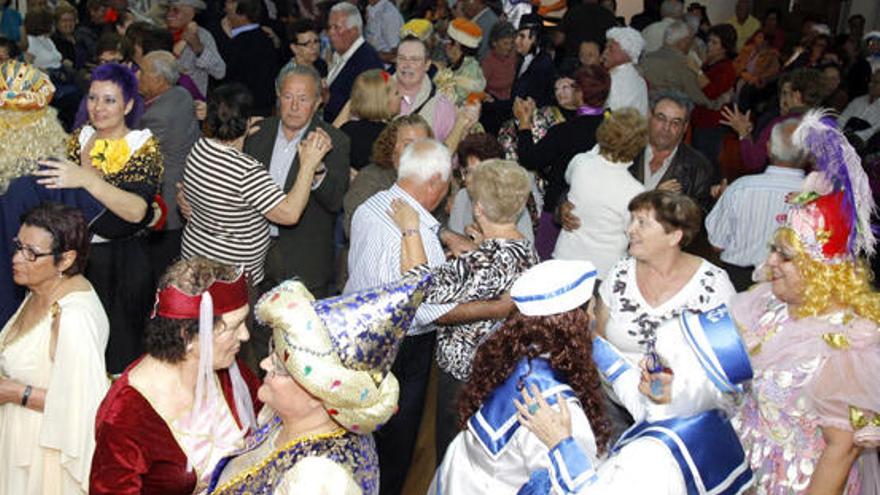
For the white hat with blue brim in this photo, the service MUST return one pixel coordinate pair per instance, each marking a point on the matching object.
(553, 287)
(713, 337)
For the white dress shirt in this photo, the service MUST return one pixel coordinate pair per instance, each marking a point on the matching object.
(744, 218)
(863, 108)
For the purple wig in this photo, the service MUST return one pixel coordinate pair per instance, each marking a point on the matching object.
(127, 81)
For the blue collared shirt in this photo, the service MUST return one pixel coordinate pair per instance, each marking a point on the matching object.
(244, 29)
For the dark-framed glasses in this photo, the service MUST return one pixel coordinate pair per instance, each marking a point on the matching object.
(30, 254)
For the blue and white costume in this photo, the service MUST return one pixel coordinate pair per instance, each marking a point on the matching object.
(685, 447)
(495, 454)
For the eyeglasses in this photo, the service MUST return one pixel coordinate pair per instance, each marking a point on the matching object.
(315, 41)
(30, 254)
(414, 60)
(278, 367)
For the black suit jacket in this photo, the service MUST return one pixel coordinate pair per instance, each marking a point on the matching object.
(690, 168)
(306, 250)
(363, 59)
(251, 59)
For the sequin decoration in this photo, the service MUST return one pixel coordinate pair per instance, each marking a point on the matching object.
(367, 326)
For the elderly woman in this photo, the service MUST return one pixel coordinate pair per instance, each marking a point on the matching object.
(499, 190)
(186, 403)
(122, 169)
(52, 374)
(601, 189)
(385, 157)
(812, 332)
(463, 75)
(328, 386)
(374, 101)
(499, 64)
(542, 347)
(656, 281)
(719, 76)
(549, 157)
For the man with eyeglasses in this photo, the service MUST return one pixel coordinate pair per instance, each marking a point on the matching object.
(666, 163)
(418, 91)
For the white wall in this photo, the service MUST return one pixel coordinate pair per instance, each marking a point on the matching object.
(868, 8)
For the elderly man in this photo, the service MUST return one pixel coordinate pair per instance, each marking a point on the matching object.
(194, 46)
(170, 115)
(418, 91)
(374, 259)
(668, 67)
(351, 56)
(304, 250)
(628, 88)
(670, 11)
(745, 216)
(383, 27)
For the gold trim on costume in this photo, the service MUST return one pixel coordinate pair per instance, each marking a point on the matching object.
(858, 419)
(337, 433)
(836, 340)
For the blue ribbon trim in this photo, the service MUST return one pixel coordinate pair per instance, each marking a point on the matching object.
(558, 292)
(495, 423)
(706, 448)
(571, 466)
(726, 345)
(609, 360)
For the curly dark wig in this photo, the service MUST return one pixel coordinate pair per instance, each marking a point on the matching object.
(564, 337)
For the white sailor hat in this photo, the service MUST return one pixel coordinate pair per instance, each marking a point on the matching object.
(554, 287)
(713, 337)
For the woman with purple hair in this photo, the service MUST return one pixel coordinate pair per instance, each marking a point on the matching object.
(122, 169)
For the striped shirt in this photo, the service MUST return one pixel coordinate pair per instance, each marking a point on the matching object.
(374, 258)
(230, 193)
(744, 219)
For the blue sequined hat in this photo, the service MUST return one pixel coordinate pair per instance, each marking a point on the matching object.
(341, 349)
(553, 287)
(716, 342)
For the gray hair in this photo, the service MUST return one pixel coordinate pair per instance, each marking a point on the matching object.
(165, 64)
(675, 32)
(782, 149)
(672, 8)
(353, 15)
(423, 159)
(674, 96)
(292, 69)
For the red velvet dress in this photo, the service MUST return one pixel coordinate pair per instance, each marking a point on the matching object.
(136, 451)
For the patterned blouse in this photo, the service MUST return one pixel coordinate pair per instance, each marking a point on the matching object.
(141, 175)
(482, 274)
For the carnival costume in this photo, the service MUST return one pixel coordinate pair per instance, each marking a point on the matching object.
(495, 454)
(29, 130)
(817, 369)
(139, 451)
(685, 447)
(340, 350)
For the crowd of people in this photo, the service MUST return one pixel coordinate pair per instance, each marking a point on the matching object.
(257, 246)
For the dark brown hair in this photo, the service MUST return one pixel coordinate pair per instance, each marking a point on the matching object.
(383, 146)
(594, 83)
(68, 229)
(481, 145)
(564, 338)
(674, 211)
(727, 36)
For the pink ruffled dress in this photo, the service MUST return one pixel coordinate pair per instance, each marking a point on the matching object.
(809, 373)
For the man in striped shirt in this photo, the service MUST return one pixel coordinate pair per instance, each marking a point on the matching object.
(743, 220)
(374, 259)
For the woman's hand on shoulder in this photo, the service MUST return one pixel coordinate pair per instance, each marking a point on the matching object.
(549, 425)
(57, 174)
(404, 215)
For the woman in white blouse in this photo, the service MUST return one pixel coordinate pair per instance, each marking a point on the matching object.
(656, 281)
(601, 189)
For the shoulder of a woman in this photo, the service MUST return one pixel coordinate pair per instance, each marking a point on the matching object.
(83, 134)
(137, 138)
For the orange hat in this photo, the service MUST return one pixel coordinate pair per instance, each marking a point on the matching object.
(466, 32)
